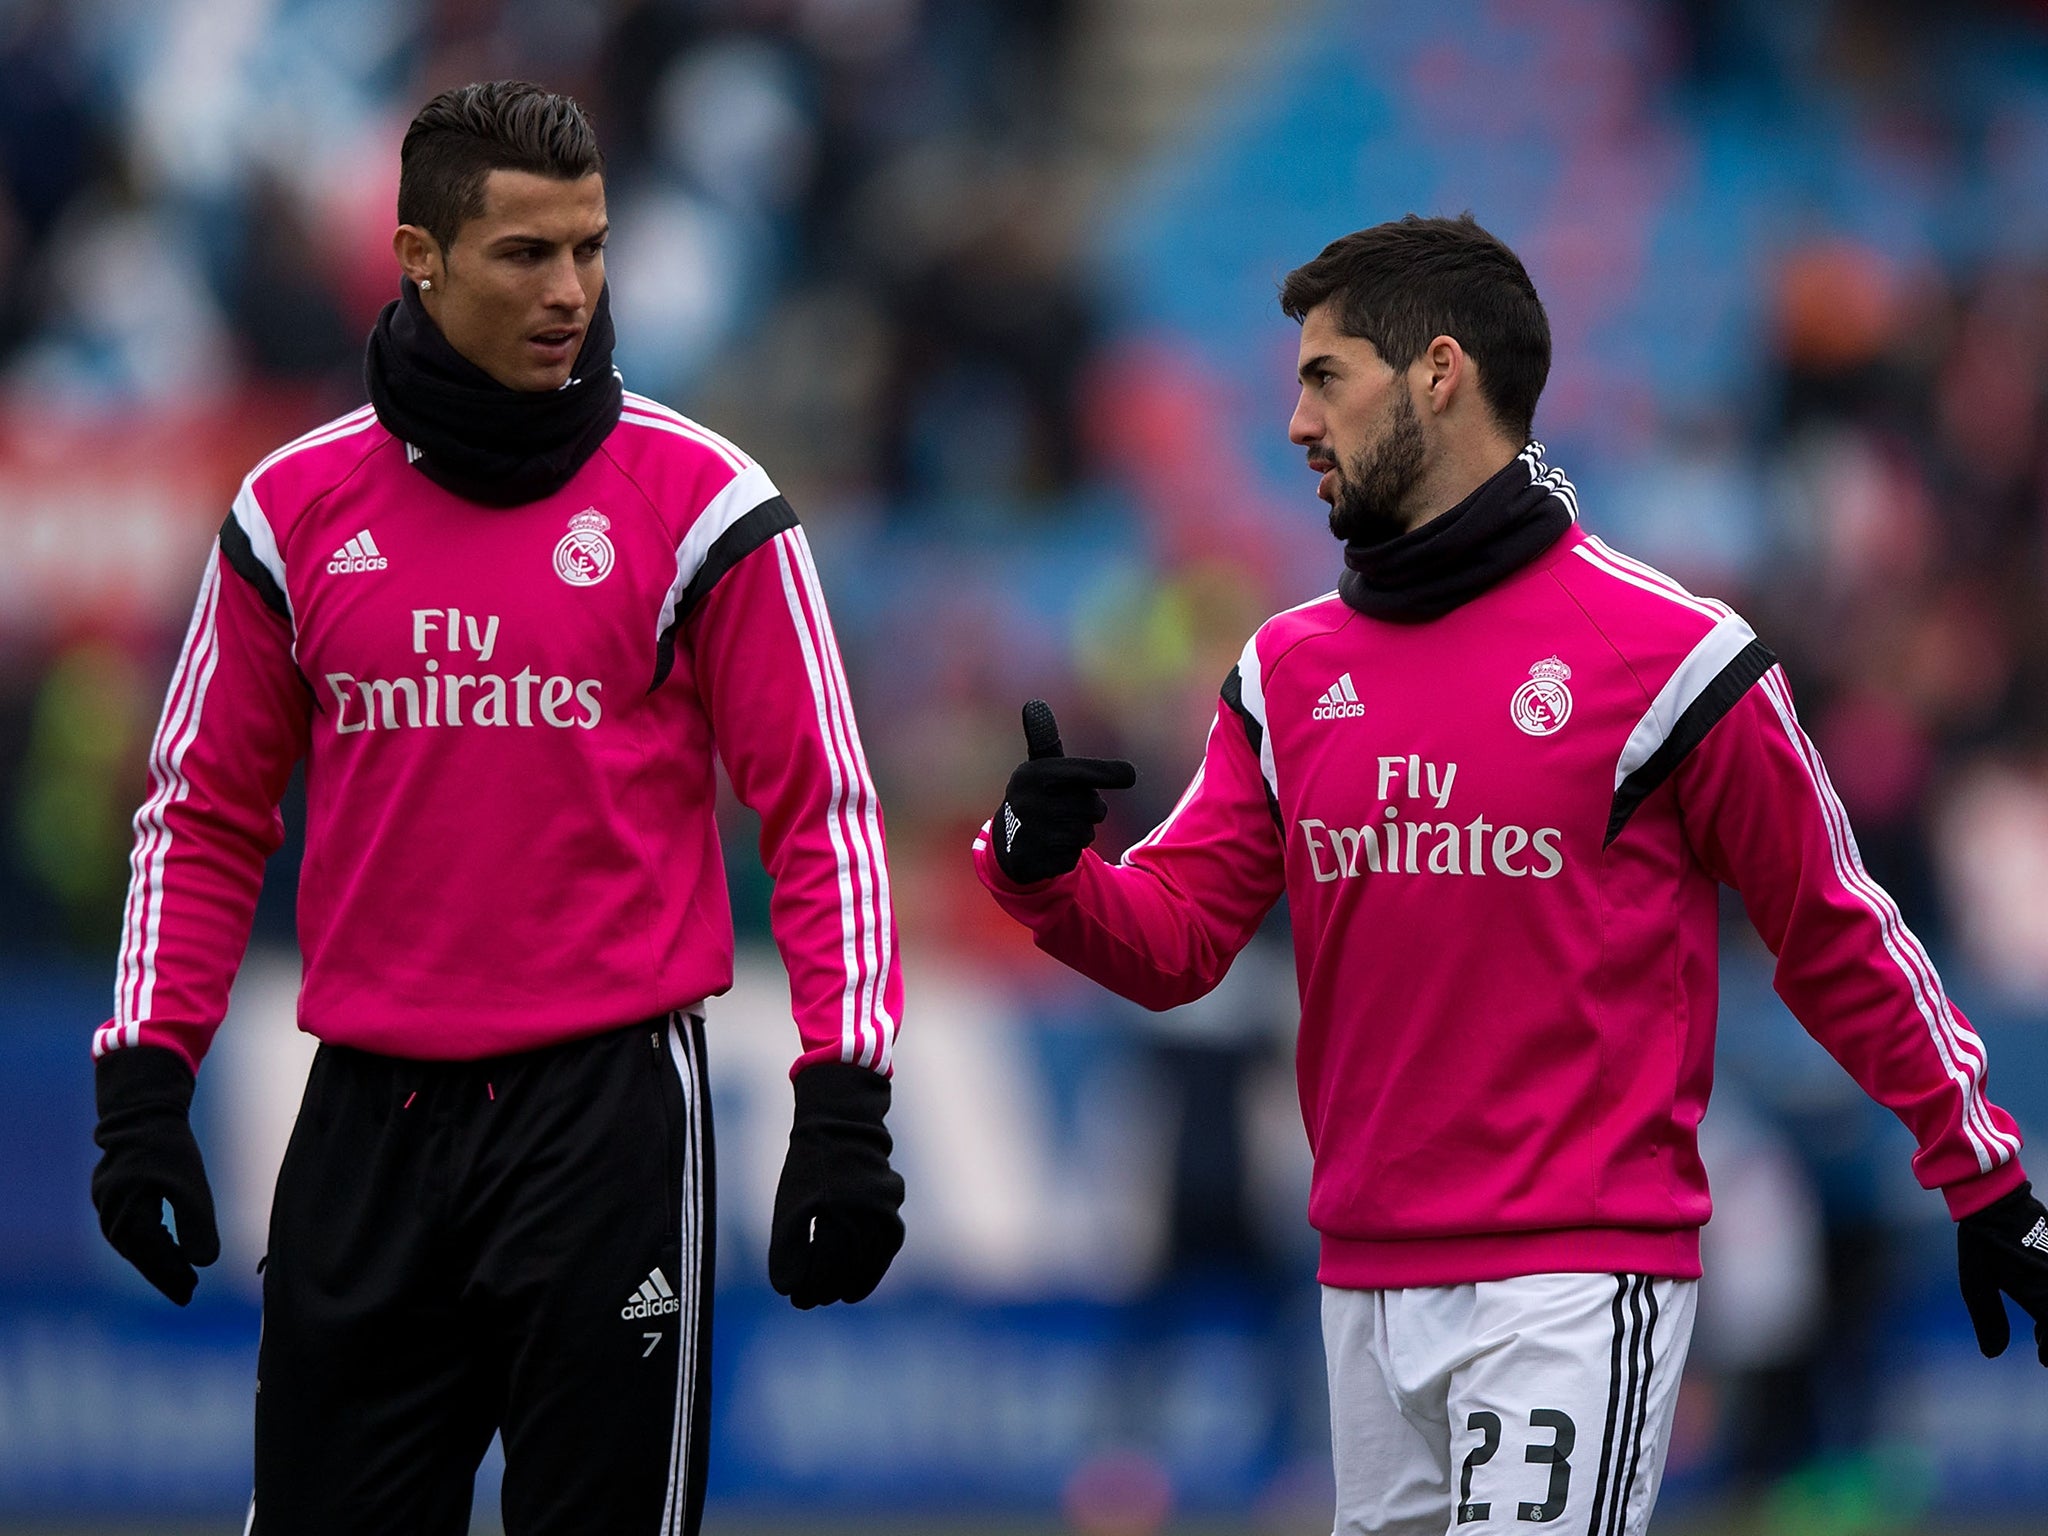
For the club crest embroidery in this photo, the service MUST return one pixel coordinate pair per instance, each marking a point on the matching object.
(585, 556)
(1543, 704)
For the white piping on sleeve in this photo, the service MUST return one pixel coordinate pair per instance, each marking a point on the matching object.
(1962, 1064)
(866, 832)
(852, 1045)
(135, 982)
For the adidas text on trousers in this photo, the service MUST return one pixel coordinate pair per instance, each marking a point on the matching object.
(1542, 1400)
(520, 1244)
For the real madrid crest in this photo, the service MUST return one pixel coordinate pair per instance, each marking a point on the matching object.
(585, 556)
(1543, 704)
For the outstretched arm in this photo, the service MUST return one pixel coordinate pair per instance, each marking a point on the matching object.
(1162, 924)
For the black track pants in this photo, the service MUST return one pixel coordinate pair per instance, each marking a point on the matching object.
(519, 1244)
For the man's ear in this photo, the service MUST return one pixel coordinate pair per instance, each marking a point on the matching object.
(1449, 372)
(419, 255)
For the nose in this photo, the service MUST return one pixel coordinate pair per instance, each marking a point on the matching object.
(1306, 425)
(565, 287)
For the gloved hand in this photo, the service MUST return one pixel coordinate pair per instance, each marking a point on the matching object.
(1053, 805)
(148, 1156)
(2004, 1247)
(835, 1226)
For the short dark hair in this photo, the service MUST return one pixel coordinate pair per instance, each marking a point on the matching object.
(1402, 284)
(464, 134)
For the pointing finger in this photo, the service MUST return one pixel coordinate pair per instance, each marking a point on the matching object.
(1041, 731)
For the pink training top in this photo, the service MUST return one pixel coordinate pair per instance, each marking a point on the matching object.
(508, 717)
(1500, 835)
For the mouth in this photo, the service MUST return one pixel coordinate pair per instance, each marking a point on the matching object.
(557, 344)
(1326, 488)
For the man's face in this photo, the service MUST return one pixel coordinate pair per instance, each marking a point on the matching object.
(515, 293)
(1361, 430)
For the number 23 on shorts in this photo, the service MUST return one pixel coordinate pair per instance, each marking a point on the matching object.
(1556, 1453)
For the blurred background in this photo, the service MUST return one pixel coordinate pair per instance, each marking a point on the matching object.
(989, 286)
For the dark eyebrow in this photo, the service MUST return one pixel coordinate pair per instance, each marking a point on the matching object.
(1320, 363)
(538, 243)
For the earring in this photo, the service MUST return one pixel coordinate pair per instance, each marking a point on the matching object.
(426, 283)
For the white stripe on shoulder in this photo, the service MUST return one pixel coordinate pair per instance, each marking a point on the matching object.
(1315, 602)
(744, 492)
(1651, 573)
(255, 524)
(1669, 584)
(1601, 558)
(1722, 644)
(643, 412)
(359, 420)
(682, 430)
(651, 407)
(1251, 687)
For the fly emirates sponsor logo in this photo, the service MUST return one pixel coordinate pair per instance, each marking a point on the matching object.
(442, 695)
(1398, 844)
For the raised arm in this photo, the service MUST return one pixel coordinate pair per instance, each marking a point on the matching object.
(1162, 924)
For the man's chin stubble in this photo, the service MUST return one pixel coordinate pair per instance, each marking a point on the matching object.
(1355, 524)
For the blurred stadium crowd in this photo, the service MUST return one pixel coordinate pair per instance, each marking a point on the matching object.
(988, 285)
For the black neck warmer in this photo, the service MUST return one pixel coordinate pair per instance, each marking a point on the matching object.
(1425, 573)
(472, 435)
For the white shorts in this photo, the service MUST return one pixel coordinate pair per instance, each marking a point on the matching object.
(1532, 1401)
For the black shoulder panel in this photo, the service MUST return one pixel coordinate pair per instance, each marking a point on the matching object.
(234, 543)
(745, 536)
(1700, 717)
(1233, 695)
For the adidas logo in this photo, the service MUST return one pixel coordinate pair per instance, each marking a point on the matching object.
(358, 554)
(653, 1299)
(1339, 701)
(1011, 826)
(2038, 1238)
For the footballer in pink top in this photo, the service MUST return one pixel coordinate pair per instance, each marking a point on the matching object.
(1500, 774)
(511, 617)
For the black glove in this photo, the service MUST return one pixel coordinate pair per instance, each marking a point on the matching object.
(835, 1227)
(2004, 1247)
(148, 1156)
(1053, 805)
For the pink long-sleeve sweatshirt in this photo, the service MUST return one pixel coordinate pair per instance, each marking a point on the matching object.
(1500, 834)
(510, 719)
